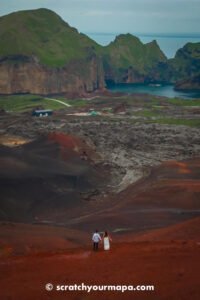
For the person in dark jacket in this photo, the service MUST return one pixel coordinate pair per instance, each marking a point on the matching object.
(96, 238)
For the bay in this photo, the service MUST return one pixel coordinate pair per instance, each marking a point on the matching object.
(157, 90)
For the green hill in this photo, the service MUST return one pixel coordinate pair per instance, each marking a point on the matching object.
(42, 33)
(42, 54)
(128, 59)
(187, 61)
(127, 50)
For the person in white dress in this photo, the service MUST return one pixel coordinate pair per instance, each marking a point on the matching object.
(106, 241)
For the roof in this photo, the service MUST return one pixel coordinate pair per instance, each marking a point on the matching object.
(42, 110)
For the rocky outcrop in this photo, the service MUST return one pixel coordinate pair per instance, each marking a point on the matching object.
(186, 67)
(128, 60)
(189, 84)
(24, 74)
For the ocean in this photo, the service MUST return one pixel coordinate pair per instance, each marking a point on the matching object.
(169, 43)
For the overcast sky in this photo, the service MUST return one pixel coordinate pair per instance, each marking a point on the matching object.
(135, 16)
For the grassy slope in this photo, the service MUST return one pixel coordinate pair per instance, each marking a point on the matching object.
(155, 112)
(20, 103)
(44, 34)
(175, 121)
(127, 50)
(184, 102)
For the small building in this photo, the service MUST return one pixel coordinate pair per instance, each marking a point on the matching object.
(42, 112)
(93, 113)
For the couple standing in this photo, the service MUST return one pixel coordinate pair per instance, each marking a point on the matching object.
(96, 238)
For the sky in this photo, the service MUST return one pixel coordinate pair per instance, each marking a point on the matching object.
(135, 16)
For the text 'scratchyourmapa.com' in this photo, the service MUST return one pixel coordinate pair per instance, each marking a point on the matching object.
(95, 288)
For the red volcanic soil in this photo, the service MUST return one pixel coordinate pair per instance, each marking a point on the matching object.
(169, 195)
(72, 145)
(189, 230)
(21, 239)
(171, 266)
(172, 184)
(67, 141)
(184, 231)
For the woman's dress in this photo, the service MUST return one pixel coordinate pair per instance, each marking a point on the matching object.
(106, 243)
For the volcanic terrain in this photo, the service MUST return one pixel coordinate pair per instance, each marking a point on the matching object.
(66, 175)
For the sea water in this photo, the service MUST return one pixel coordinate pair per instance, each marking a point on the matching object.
(166, 90)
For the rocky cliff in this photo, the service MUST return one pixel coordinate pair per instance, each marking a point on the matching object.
(24, 74)
(186, 67)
